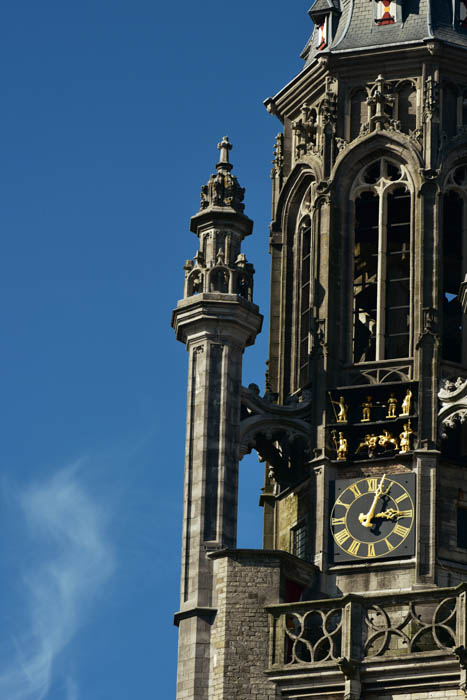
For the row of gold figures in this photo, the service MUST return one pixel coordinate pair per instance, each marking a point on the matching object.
(373, 442)
(368, 405)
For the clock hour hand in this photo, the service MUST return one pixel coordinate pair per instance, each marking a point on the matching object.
(389, 514)
(365, 519)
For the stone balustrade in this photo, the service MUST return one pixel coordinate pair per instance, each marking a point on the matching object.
(357, 636)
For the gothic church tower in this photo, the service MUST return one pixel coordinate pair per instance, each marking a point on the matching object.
(361, 588)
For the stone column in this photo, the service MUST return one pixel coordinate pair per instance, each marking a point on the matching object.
(216, 320)
(216, 328)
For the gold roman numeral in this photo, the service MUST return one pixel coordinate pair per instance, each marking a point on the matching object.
(389, 545)
(371, 550)
(401, 498)
(406, 514)
(354, 547)
(338, 521)
(355, 490)
(341, 503)
(401, 530)
(372, 484)
(342, 536)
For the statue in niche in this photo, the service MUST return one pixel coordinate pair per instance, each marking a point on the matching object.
(387, 441)
(366, 409)
(392, 407)
(407, 404)
(406, 437)
(341, 446)
(343, 410)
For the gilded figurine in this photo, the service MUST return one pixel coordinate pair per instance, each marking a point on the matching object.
(369, 443)
(392, 407)
(363, 445)
(372, 445)
(343, 410)
(406, 437)
(388, 441)
(406, 404)
(341, 446)
(366, 409)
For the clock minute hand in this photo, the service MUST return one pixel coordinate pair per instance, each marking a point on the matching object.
(365, 519)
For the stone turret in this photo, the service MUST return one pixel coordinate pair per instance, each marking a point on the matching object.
(216, 320)
(221, 226)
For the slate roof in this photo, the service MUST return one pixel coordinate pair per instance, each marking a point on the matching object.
(324, 6)
(421, 20)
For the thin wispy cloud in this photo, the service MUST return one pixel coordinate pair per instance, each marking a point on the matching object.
(71, 559)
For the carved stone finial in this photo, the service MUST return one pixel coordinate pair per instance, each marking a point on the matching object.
(224, 147)
(223, 189)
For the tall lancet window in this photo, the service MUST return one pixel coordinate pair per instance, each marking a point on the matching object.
(305, 299)
(381, 271)
(454, 255)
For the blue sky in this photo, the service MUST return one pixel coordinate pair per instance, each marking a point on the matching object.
(111, 112)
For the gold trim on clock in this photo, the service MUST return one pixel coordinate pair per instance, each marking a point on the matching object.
(372, 518)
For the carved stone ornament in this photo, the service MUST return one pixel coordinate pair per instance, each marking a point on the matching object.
(278, 162)
(380, 104)
(453, 398)
(280, 434)
(305, 131)
(223, 189)
(431, 98)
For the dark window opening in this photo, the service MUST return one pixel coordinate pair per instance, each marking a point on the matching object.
(408, 108)
(454, 444)
(450, 110)
(462, 528)
(453, 219)
(299, 541)
(365, 277)
(305, 304)
(398, 275)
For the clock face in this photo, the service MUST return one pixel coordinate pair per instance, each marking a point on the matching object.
(373, 518)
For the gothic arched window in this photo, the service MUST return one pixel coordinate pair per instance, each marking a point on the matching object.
(305, 298)
(454, 243)
(381, 270)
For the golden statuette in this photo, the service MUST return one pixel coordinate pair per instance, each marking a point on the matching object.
(406, 437)
(370, 443)
(392, 407)
(341, 446)
(366, 409)
(343, 410)
(388, 441)
(406, 404)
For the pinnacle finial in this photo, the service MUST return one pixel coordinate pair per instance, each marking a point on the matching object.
(223, 189)
(224, 147)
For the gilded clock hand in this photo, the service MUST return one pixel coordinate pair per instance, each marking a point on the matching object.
(389, 514)
(365, 520)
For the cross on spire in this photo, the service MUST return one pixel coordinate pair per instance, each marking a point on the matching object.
(224, 147)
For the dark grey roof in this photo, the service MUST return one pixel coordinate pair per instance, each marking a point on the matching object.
(356, 28)
(323, 6)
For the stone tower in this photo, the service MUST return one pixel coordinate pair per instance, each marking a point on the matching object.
(360, 590)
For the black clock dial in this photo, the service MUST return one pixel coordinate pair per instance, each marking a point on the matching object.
(373, 518)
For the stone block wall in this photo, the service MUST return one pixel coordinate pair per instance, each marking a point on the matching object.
(246, 581)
